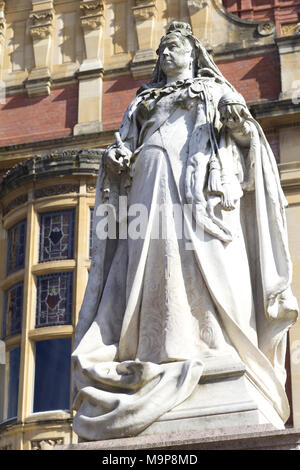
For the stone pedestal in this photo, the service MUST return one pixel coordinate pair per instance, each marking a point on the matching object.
(225, 397)
(226, 401)
(242, 438)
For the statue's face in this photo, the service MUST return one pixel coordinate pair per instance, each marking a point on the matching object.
(175, 55)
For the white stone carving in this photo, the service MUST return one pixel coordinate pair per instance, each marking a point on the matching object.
(163, 304)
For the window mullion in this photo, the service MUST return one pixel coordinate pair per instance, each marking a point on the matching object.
(27, 349)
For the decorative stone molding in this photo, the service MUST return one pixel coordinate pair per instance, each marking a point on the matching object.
(144, 12)
(195, 5)
(92, 14)
(2, 22)
(289, 53)
(199, 11)
(54, 164)
(46, 444)
(41, 24)
(91, 70)
(289, 29)
(41, 30)
(145, 15)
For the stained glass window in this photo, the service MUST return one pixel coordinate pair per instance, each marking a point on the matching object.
(13, 305)
(52, 368)
(54, 299)
(91, 232)
(16, 247)
(13, 386)
(56, 235)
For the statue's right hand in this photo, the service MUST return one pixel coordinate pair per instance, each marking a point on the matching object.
(113, 160)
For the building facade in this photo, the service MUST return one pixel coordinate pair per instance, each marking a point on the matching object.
(68, 70)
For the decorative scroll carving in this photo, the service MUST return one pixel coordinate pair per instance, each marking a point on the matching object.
(144, 11)
(41, 24)
(289, 29)
(92, 14)
(46, 444)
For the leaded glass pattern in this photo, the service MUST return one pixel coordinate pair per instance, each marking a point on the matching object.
(13, 306)
(91, 231)
(16, 247)
(54, 299)
(56, 235)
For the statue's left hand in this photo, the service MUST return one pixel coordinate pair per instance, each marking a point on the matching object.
(231, 116)
(234, 118)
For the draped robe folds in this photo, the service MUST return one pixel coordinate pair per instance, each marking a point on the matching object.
(155, 307)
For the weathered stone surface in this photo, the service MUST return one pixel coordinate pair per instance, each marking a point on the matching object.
(241, 438)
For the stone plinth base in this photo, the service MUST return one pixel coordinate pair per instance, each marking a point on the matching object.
(243, 438)
(226, 396)
(227, 409)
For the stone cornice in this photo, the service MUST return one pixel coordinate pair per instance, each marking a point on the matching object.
(56, 163)
(14, 153)
(276, 114)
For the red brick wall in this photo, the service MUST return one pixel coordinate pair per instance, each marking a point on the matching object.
(24, 119)
(117, 95)
(256, 77)
(280, 11)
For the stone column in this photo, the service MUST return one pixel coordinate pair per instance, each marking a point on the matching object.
(199, 11)
(90, 74)
(2, 377)
(41, 29)
(289, 53)
(2, 37)
(145, 15)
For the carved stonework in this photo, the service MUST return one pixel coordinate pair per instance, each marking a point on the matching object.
(289, 29)
(18, 201)
(145, 14)
(2, 22)
(196, 5)
(56, 190)
(41, 24)
(92, 14)
(144, 11)
(46, 444)
(91, 188)
(266, 28)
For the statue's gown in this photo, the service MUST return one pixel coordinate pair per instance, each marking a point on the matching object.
(158, 305)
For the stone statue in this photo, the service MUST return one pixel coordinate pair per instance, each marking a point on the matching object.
(159, 305)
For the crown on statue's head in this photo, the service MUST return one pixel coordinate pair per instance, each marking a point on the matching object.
(184, 28)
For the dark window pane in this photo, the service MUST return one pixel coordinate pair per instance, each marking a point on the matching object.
(13, 305)
(54, 299)
(56, 235)
(91, 232)
(16, 247)
(52, 375)
(13, 386)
